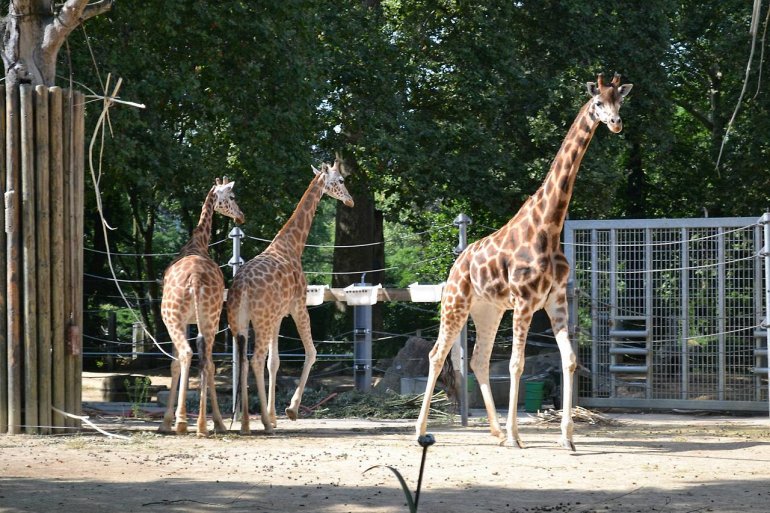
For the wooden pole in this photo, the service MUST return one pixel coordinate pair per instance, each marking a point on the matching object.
(43, 258)
(69, 266)
(3, 310)
(13, 256)
(78, 142)
(29, 268)
(58, 312)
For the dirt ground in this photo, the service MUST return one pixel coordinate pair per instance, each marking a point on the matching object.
(666, 463)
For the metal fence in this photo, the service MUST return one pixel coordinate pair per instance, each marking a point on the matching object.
(670, 313)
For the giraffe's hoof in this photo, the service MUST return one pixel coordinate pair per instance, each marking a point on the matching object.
(245, 432)
(516, 443)
(165, 429)
(567, 444)
(292, 414)
(202, 434)
(181, 428)
(220, 430)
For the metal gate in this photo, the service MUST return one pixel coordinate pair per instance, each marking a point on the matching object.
(670, 313)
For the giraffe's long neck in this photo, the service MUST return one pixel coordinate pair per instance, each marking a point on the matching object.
(201, 235)
(292, 237)
(552, 200)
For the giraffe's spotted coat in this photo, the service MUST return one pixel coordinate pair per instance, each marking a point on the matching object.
(193, 289)
(271, 286)
(521, 267)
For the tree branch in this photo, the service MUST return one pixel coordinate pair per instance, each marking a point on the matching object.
(703, 119)
(72, 14)
(96, 8)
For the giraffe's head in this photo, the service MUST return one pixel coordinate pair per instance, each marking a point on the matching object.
(607, 99)
(224, 200)
(334, 182)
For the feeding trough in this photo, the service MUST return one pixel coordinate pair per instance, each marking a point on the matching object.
(426, 293)
(359, 295)
(315, 294)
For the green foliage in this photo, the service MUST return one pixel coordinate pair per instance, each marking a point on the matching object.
(138, 393)
(446, 106)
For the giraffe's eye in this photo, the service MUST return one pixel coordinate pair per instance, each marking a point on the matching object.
(598, 103)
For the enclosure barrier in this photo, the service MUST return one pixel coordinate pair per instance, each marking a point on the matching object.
(670, 313)
(41, 294)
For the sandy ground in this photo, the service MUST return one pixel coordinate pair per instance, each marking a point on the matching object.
(671, 463)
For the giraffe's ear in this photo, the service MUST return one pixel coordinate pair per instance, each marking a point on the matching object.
(315, 171)
(625, 89)
(592, 89)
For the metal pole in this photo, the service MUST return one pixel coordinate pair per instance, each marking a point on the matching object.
(766, 223)
(462, 221)
(362, 345)
(235, 262)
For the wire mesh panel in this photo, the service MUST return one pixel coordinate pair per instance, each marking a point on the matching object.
(669, 312)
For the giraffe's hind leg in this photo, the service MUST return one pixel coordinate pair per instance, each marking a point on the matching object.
(486, 318)
(167, 425)
(302, 320)
(452, 320)
(522, 318)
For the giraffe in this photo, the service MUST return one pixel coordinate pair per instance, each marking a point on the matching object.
(521, 267)
(272, 285)
(193, 290)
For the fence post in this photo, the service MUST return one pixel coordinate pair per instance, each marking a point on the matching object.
(766, 252)
(362, 345)
(235, 262)
(462, 221)
(137, 340)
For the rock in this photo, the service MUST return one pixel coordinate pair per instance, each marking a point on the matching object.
(410, 362)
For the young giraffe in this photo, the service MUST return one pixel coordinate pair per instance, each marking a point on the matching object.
(271, 286)
(521, 267)
(193, 290)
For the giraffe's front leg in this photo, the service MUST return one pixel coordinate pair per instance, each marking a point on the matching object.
(273, 362)
(522, 318)
(558, 313)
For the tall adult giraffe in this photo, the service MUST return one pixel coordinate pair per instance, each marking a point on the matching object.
(272, 285)
(521, 267)
(193, 292)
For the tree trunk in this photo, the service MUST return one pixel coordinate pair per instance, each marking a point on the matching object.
(33, 33)
(354, 226)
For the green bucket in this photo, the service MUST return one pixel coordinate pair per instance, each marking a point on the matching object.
(533, 396)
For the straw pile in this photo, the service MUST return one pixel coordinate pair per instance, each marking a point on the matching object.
(355, 404)
(579, 414)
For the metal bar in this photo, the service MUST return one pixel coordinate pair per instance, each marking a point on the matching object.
(629, 333)
(721, 314)
(462, 221)
(648, 308)
(685, 315)
(700, 222)
(766, 222)
(594, 312)
(613, 301)
(759, 307)
(628, 369)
